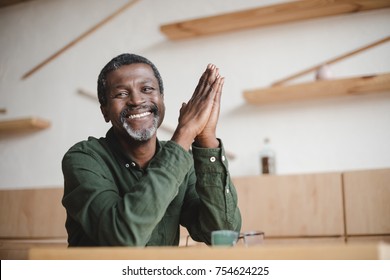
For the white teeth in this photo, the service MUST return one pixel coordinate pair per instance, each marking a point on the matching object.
(138, 116)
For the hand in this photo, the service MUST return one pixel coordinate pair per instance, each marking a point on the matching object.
(207, 138)
(199, 116)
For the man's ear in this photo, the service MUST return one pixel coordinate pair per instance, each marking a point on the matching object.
(105, 113)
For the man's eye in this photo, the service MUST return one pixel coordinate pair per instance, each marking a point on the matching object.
(121, 94)
(148, 89)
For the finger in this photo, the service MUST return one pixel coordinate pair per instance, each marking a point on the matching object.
(203, 80)
(213, 90)
(210, 87)
(183, 106)
(206, 85)
(220, 83)
(212, 78)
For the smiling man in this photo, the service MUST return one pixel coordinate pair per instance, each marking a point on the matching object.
(130, 189)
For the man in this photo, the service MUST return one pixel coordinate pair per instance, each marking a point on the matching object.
(129, 188)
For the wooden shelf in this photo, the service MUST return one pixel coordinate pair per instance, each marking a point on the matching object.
(6, 3)
(319, 89)
(24, 124)
(275, 14)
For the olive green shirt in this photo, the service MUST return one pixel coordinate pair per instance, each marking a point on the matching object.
(111, 201)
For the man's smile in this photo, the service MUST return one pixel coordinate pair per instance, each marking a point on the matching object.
(138, 116)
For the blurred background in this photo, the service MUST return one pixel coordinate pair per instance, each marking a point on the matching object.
(340, 133)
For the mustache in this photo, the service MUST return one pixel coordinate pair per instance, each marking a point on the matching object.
(126, 111)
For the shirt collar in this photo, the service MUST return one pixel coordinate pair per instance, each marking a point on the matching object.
(114, 145)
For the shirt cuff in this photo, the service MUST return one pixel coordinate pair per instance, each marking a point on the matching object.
(210, 159)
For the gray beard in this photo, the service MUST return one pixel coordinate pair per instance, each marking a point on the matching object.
(143, 134)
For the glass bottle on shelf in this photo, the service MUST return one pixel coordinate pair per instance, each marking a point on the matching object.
(267, 158)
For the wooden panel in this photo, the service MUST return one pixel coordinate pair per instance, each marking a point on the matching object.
(384, 251)
(291, 206)
(256, 17)
(267, 252)
(320, 89)
(368, 239)
(304, 241)
(367, 202)
(32, 213)
(25, 124)
(17, 249)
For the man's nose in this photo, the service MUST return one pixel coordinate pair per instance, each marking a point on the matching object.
(135, 98)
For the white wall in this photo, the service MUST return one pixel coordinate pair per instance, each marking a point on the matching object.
(345, 133)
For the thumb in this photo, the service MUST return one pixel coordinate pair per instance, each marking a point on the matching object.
(183, 105)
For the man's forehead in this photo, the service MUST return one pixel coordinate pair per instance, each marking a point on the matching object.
(136, 70)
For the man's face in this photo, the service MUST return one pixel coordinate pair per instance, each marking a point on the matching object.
(134, 103)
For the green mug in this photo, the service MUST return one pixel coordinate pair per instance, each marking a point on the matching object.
(224, 238)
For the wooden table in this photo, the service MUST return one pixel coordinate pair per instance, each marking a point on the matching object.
(371, 251)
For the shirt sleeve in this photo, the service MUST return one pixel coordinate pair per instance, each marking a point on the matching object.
(93, 201)
(212, 201)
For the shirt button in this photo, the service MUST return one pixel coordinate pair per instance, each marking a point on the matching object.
(127, 165)
(212, 159)
(133, 164)
(223, 158)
